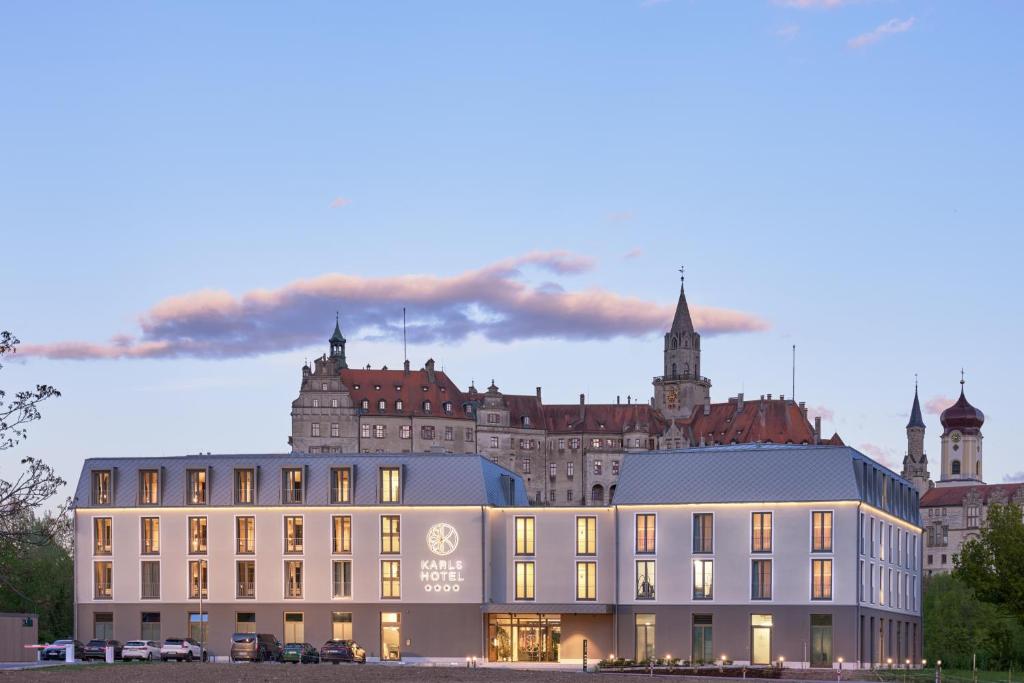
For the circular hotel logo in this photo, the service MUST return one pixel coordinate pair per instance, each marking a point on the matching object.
(442, 539)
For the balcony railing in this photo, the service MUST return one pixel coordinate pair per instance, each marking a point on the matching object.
(682, 376)
(246, 589)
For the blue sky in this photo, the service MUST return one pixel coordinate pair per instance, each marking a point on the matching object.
(844, 174)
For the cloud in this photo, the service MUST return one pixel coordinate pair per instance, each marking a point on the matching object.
(881, 454)
(633, 253)
(881, 31)
(936, 404)
(1014, 478)
(820, 411)
(813, 4)
(492, 301)
(620, 216)
(788, 32)
(339, 202)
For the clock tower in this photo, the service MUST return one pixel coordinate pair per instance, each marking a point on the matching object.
(961, 442)
(681, 388)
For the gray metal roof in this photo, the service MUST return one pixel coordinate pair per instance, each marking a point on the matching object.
(758, 473)
(427, 479)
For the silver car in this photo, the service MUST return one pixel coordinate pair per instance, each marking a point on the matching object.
(142, 650)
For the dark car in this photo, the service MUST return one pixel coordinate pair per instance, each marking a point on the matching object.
(255, 647)
(335, 651)
(300, 653)
(97, 649)
(57, 649)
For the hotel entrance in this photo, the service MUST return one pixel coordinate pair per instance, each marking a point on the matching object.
(523, 637)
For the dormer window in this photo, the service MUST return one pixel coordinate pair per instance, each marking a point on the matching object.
(426, 406)
(389, 485)
(291, 481)
(149, 487)
(447, 405)
(526, 420)
(382, 405)
(399, 405)
(101, 487)
(196, 487)
(365, 404)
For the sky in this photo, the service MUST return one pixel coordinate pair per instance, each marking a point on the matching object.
(190, 191)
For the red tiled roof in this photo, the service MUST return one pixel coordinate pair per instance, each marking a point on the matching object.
(941, 496)
(412, 388)
(611, 418)
(775, 421)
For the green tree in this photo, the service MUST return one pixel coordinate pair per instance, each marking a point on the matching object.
(993, 563)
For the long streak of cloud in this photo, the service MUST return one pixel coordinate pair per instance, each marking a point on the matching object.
(491, 301)
(888, 28)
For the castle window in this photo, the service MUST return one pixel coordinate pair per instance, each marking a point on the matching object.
(405, 432)
(382, 405)
(427, 432)
(316, 403)
(973, 516)
(364, 431)
(364, 404)
(323, 386)
(334, 403)
(955, 467)
(447, 407)
(426, 406)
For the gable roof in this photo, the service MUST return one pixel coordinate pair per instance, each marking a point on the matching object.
(777, 421)
(412, 388)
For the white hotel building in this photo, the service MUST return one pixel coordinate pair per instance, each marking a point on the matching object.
(752, 552)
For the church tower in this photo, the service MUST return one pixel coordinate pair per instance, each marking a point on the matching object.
(681, 388)
(337, 342)
(915, 462)
(961, 442)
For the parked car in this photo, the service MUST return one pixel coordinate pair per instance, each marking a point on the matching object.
(255, 647)
(181, 649)
(300, 653)
(97, 649)
(142, 650)
(335, 651)
(58, 648)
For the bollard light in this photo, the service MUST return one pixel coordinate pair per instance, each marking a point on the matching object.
(924, 662)
(908, 662)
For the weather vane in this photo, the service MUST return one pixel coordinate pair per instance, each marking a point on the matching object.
(682, 273)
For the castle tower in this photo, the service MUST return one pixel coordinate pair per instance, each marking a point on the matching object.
(681, 388)
(961, 441)
(337, 342)
(915, 462)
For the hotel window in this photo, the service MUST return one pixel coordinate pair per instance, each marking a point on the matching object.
(314, 429)
(149, 487)
(293, 579)
(586, 580)
(598, 467)
(405, 432)
(821, 536)
(341, 579)
(245, 487)
(390, 579)
(821, 579)
(341, 625)
(293, 535)
(703, 579)
(388, 485)
(379, 431)
(449, 433)
(101, 487)
(525, 580)
(973, 516)
(390, 538)
(196, 487)
(150, 535)
(645, 579)
(291, 481)
(364, 431)
(586, 535)
(570, 469)
(104, 580)
(197, 579)
(703, 532)
(701, 650)
(494, 442)
(101, 536)
(245, 535)
(341, 534)
(525, 535)
(150, 586)
(197, 535)
(645, 533)
(761, 580)
(341, 485)
(427, 432)
(761, 532)
(246, 576)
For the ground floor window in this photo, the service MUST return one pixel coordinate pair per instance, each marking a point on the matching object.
(760, 639)
(103, 625)
(644, 637)
(150, 626)
(245, 622)
(294, 631)
(524, 637)
(197, 626)
(390, 636)
(702, 652)
(341, 625)
(821, 640)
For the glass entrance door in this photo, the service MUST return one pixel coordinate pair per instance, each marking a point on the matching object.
(390, 636)
(821, 641)
(523, 637)
(294, 631)
(760, 639)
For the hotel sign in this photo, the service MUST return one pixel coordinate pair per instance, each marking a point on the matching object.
(441, 574)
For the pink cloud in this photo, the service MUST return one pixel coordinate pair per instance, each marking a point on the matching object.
(881, 454)
(936, 404)
(620, 216)
(339, 202)
(491, 301)
(820, 411)
(633, 253)
(811, 4)
(881, 31)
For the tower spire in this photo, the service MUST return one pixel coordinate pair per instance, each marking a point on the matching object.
(915, 411)
(682, 322)
(337, 342)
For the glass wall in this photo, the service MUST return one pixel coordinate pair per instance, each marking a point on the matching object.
(523, 637)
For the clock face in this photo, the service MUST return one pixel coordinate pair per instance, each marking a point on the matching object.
(955, 438)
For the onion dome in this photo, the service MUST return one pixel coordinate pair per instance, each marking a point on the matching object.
(962, 416)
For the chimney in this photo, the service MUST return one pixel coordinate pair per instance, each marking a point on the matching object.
(429, 367)
(817, 429)
(582, 403)
(739, 403)
(618, 400)
(406, 366)
(707, 404)
(782, 397)
(803, 409)
(629, 399)
(538, 393)
(769, 397)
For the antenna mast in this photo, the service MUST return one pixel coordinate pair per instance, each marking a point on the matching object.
(794, 374)
(405, 345)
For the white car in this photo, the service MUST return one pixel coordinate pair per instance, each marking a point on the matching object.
(142, 650)
(181, 649)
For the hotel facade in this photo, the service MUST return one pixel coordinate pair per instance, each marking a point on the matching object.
(748, 552)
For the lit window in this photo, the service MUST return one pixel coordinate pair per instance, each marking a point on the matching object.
(104, 580)
(525, 580)
(245, 487)
(645, 579)
(197, 487)
(761, 580)
(197, 535)
(341, 485)
(586, 580)
(645, 529)
(341, 534)
(390, 579)
(293, 579)
(102, 536)
(703, 575)
(101, 487)
(525, 535)
(150, 535)
(245, 571)
(149, 487)
(821, 536)
(293, 541)
(586, 535)
(245, 533)
(292, 482)
(390, 537)
(761, 532)
(197, 579)
(389, 485)
(821, 579)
